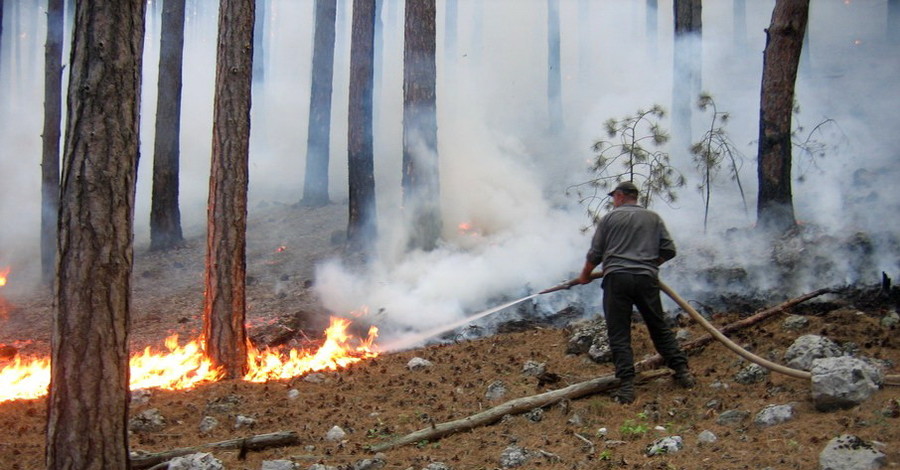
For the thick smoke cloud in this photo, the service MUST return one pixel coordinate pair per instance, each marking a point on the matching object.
(503, 173)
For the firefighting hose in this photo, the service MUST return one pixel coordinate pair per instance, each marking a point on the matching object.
(715, 333)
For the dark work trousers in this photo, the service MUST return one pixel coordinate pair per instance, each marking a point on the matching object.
(622, 292)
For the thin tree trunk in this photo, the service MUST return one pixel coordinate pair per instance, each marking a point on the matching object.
(687, 65)
(784, 42)
(225, 309)
(554, 67)
(165, 215)
(87, 419)
(421, 188)
(315, 188)
(51, 138)
(361, 226)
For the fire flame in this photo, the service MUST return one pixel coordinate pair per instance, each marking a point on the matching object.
(185, 367)
(4, 275)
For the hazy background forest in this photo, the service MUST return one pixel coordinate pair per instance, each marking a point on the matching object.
(505, 167)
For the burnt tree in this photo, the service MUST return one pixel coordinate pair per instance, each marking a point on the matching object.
(50, 138)
(315, 187)
(165, 215)
(361, 225)
(225, 307)
(784, 42)
(420, 180)
(87, 419)
(687, 69)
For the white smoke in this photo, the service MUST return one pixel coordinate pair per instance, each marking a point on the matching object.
(502, 172)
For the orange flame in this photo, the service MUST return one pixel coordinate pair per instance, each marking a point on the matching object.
(185, 367)
(4, 275)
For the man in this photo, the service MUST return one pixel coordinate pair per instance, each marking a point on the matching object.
(631, 242)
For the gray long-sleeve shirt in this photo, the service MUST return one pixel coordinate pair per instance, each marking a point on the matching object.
(631, 239)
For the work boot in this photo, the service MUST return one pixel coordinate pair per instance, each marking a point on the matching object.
(684, 379)
(625, 393)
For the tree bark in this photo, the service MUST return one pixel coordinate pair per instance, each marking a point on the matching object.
(421, 189)
(361, 226)
(315, 188)
(87, 419)
(165, 215)
(784, 42)
(51, 138)
(225, 309)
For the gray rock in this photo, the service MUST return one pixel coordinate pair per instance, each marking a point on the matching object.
(683, 335)
(140, 397)
(535, 415)
(335, 434)
(732, 417)
(319, 466)
(795, 323)
(315, 378)
(843, 382)
(707, 437)
(753, 373)
(496, 390)
(278, 465)
(207, 424)
(437, 466)
(534, 369)
(582, 334)
(514, 456)
(147, 421)
(665, 445)
(417, 363)
(773, 414)
(848, 452)
(807, 348)
(293, 394)
(890, 320)
(241, 422)
(199, 461)
(369, 464)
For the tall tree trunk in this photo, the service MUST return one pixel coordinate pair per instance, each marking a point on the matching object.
(259, 42)
(784, 42)
(893, 21)
(315, 187)
(361, 225)
(739, 19)
(652, 28)
(165, 215)
(687, 64)
(225, 309)
(451, 31)
(554, 67)
(421, 190)
(51, 136)
(87, 419)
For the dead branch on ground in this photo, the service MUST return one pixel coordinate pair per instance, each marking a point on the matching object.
(142, 460)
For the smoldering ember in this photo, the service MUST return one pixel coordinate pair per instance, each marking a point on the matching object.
(394, 286)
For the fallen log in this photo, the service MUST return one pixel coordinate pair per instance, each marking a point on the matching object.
(142, 460)
(519, 405)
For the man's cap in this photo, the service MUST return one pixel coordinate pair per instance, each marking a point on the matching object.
(625, 187)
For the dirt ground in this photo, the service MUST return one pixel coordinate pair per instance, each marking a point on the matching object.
(380, 399)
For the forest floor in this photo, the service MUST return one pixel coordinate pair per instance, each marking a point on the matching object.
(379, 399)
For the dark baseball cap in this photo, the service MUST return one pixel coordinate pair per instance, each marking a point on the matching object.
(625, 187)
